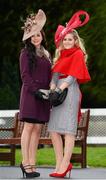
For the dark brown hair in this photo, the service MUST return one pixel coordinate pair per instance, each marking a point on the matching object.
(32, 51)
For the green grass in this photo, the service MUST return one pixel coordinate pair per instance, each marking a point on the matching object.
(96, 157)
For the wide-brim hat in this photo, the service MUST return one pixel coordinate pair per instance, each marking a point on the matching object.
(73, 23)
(34, 24)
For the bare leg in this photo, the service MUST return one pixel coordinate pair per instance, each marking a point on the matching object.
(25, 142)
(58, 148)
(68, 149)
(34, 143)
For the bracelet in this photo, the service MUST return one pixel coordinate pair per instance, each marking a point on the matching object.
(52, 90)
(59, 90)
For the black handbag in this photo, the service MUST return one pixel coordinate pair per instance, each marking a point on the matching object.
(60, 98)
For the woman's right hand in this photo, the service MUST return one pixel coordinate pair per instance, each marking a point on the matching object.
(38, 94)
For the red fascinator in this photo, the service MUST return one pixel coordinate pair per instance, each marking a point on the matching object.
(73, 23)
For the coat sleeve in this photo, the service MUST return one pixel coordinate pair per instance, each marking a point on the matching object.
(27, 80)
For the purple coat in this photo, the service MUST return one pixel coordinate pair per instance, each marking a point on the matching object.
(30, 107)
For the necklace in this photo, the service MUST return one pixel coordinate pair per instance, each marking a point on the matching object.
(40, 51)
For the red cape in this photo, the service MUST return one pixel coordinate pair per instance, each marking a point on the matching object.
(71, 62)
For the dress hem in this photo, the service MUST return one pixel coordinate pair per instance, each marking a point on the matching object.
(62, 132)
(31, 120)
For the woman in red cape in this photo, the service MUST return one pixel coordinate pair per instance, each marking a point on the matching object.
(69, 71)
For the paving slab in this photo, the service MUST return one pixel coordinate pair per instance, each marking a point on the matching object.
(15, 173)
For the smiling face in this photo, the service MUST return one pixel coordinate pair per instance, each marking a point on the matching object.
(37, 39)
(68, 41)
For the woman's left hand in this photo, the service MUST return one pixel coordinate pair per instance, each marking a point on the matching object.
(53, 96)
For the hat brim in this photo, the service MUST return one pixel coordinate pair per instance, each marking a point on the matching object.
(33, 32)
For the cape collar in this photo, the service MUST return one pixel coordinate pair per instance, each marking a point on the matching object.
(68, 52)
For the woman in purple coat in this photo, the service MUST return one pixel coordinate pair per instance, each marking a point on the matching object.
(35, 69)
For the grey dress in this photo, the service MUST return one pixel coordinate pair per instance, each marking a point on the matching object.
(64, 118)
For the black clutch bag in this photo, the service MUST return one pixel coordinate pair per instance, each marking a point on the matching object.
(60, 98)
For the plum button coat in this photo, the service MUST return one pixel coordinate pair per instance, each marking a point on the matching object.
(33, 110)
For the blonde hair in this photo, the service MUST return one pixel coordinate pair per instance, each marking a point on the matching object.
(79, 43)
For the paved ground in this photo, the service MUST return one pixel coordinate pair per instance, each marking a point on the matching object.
(77, 174)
